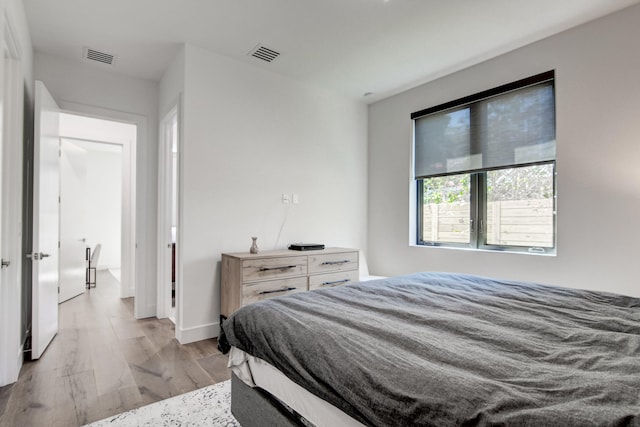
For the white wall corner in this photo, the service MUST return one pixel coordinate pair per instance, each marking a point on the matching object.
(198, 333)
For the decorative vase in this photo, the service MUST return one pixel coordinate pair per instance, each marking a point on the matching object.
(254, 246)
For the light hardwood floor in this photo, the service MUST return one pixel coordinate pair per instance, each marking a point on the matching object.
(103, 362)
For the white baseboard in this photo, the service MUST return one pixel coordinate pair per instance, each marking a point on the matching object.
(367, 278)
(197, 333)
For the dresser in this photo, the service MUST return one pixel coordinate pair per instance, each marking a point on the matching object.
(247, 278)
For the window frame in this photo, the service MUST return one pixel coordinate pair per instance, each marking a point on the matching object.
(472, 216)
(478, 217)
(478, 178)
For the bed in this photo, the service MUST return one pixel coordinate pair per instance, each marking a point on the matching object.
(437, 349)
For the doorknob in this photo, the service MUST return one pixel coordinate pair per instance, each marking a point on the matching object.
(37, 256)
(4, 263)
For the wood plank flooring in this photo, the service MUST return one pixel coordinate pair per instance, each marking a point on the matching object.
(103, 362)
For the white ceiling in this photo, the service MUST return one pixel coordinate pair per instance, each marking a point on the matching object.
(346, 46)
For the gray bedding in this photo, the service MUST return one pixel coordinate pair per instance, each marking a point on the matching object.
(439, 349)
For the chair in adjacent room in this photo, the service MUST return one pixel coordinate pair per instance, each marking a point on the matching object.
(92, 263)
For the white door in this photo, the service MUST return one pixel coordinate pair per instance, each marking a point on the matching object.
(11, 302)
(46, 179)
(73, 177)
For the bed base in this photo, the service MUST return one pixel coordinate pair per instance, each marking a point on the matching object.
(254, 407)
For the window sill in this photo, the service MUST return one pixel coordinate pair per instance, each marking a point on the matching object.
(506, 251)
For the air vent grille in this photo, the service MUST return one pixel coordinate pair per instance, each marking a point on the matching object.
(264, 53)
(97, 56)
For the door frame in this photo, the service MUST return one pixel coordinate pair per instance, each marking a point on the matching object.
(11, 347)
(165, 214)
(127, 216)
(132, 272)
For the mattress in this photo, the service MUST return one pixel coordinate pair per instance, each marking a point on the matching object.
(451, 349)
(256, 372)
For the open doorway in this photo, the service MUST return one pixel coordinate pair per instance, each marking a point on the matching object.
(168, 217)
(97, 205)
(42, 200)
(90, 213)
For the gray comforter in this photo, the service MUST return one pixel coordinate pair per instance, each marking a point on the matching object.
(440, 349)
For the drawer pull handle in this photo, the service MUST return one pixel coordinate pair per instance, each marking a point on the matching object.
(276, 291)
(335, 282)
(344, 261)
(284, 267)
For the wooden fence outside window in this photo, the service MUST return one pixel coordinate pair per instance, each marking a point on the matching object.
(511, 222)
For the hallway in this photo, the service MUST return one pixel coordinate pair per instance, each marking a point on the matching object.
(103, 362)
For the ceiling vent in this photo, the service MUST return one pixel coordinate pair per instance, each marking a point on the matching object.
(93, 55)
(264, 53)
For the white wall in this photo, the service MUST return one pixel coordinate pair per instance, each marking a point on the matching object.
(598, 186)
(17, 21)
(85, 88)
(103, 204)
(172, 84)
(248, 136)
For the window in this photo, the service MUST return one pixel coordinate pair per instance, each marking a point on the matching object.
(485, 169)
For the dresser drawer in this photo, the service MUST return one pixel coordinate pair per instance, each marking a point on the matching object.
(333, 262)
(246, 278)
(332, 279)
(258, 291)
(273, 268)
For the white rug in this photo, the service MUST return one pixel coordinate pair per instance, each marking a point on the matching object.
(208, 406)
